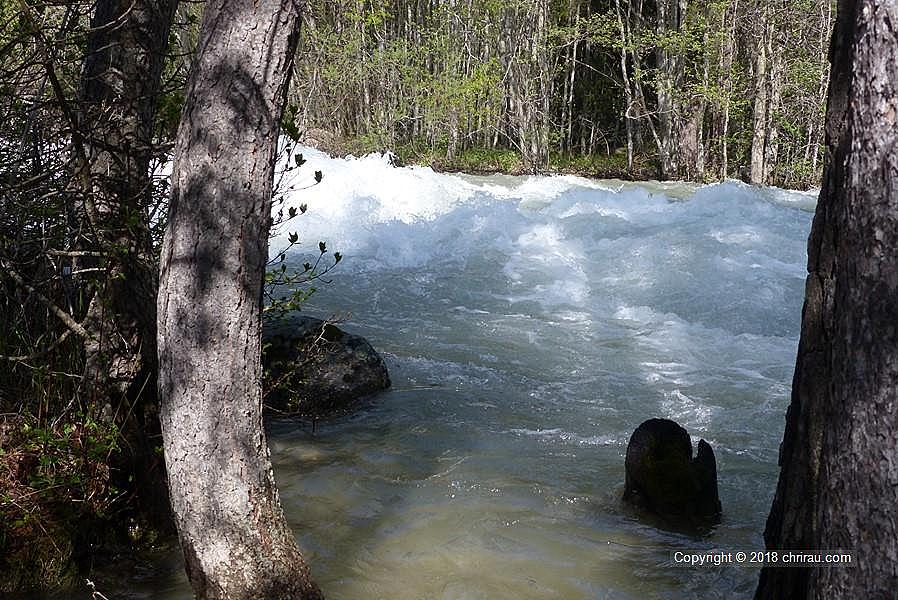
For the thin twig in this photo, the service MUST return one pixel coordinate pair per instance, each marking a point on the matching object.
(63, 316)
(38, 353)
(75, 253)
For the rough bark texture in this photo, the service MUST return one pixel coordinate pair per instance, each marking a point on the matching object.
(116, 102)
(233, 533)
(838, 485)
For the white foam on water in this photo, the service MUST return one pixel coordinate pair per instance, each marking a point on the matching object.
(531, 323)
(567, 437)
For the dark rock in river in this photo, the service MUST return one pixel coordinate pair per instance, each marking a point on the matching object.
(315, 369)
(663, 478)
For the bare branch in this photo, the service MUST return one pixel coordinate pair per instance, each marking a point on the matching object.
(39, 353)
(75, 253)
(62, 315)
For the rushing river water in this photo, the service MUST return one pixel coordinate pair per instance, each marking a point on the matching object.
(530, 324)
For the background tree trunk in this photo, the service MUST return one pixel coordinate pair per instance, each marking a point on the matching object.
(760, 107)
(113, 146)
(838, 486)
(669, 63)
(233, 532)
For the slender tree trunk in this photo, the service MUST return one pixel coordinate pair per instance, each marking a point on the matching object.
(698, 118)
(569, 87)
(233, 533)
(625, 78)
(120, 83)
(774, 98)
(838, 485)
(666, 25)
(759, 136)
(817, 140)
(727, 85)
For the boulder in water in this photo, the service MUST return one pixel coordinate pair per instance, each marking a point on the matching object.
(663, 478)
(315, 369)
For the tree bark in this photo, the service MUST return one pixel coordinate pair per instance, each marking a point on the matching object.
(668, 79)
(116, 102)
(235, 538)
(760, 105)
(838, 485)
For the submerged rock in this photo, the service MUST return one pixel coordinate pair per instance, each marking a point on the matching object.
(663, 478)
(315, 369)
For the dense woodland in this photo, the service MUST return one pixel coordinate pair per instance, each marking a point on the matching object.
(92, 97)
(671, 89)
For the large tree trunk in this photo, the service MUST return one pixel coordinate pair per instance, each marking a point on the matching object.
(233, 533)
(113, 146)
(838, 486)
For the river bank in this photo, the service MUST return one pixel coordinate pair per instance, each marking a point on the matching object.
(486, 161)
(611, 164)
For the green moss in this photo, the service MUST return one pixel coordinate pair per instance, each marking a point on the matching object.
(596, 165)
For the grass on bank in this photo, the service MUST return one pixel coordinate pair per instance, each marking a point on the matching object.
(481, 160)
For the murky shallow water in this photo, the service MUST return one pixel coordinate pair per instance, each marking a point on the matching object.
(530, 324)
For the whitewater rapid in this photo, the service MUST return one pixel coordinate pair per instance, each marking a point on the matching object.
(530, 324)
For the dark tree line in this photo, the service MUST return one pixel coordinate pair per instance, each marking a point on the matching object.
(80, 90)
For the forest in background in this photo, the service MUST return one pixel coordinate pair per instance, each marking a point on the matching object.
(670, 89)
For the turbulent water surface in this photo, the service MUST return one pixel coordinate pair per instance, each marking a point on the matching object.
(530, 324)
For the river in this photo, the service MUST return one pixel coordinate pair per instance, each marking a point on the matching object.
(530, 324)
